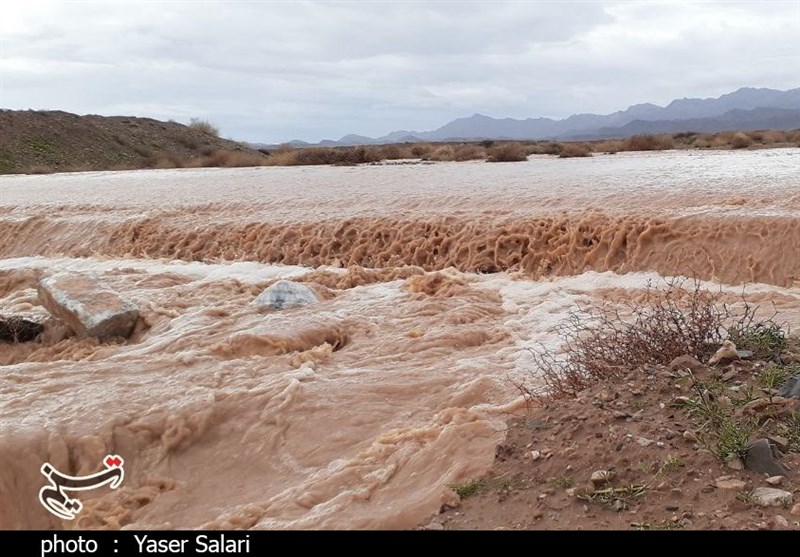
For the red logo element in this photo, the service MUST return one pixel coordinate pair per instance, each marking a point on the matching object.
(113, 461)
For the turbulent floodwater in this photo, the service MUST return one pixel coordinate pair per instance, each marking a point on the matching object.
(359, 411)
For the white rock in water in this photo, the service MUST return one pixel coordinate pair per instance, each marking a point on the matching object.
(286, 294)
(88, 305)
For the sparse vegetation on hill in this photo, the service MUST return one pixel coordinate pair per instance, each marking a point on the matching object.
(40, 142)
(52, 141)
(204, 126)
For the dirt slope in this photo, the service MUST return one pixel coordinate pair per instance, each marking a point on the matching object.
(47, 141)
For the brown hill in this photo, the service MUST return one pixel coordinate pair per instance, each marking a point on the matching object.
(34, 141)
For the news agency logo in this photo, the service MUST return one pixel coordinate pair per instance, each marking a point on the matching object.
(54, 496)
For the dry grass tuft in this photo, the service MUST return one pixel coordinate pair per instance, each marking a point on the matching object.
(204, 126)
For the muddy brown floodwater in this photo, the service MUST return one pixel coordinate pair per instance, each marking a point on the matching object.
(358, 411)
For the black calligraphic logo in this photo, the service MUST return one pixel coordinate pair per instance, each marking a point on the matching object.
(54, 497)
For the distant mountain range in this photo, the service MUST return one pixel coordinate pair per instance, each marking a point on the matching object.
(745, 109)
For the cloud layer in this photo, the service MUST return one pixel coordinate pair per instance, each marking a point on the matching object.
(272, 71)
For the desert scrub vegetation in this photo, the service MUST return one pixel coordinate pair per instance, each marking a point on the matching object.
(204, 126)
(679, 318)
(507, 152)
(575, 150)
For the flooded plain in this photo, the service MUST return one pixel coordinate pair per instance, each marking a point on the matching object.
(361, 410)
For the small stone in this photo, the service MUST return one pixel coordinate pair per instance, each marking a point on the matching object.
(618, 505)
(771, 497)
(779, 522)
(286, 294)
(690, 436)
(682, 363)
(759, 458)
(735, 463)
(571, 492)
(619, 415)
(729, 482)
(536, 455)
(644, 441)
(745, 354)
(681, 401)
(725, 355)
(774, 480)
(606, 396)
(88, 305)
(782, 443)
(660, 444)
(796, 510)
(669, 434)
(434, 525)
(601, 477)
(728, 375)
(537, 514)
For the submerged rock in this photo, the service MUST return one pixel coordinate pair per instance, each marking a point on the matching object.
(18, 329)
(286, 294)
(88, 305)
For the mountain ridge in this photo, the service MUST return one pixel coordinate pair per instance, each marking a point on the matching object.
(765, 107)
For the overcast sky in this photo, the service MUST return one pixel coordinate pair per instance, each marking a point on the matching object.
(273, 71)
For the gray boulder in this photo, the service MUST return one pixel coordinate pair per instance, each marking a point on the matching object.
(286, 294)
(761, 458)
(771, 497)
(791, 389)
(88, 305)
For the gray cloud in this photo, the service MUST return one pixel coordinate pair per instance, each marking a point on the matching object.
(271, 71)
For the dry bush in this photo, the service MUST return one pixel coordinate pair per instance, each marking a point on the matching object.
(600, 343)
(740, 141)
(575, 150)
(685, 137)
(204, 126)
(507, 152)
(546, 148)
(773, 136)
(350, 156)
(610, 146)
(313, 155)
(421, 150)
(757, 135)
(469, 152)
(648, 143)
(168, 160)
(17, 329)
(442, 153)
(704, 141)
(391, 152)
(227, 159)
